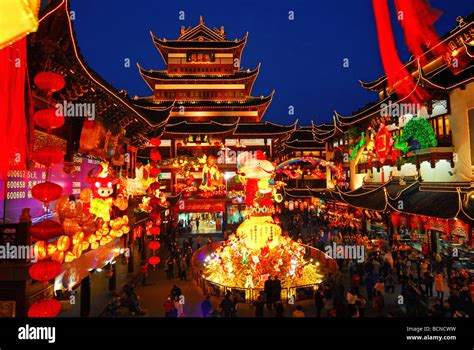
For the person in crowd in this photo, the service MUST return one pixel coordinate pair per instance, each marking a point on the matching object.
(319, 301)
(169, 267)
(235, 306)
(298, 312)
(279, 308)
(206, 307)
(428, 280)
(259, 307)
(179, 305)
(439, 285)
(169, 307)
(276, 289)
(182, 268)
(226, 306)
(268, 290)
(175, 291)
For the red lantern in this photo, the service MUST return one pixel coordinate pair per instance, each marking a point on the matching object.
(154, 172)
(154, 186)
(49, 118)
(154, 260)
(155, 155)
(155, 142)
(45, 270)
(154, 215)
(45, 308)
(49, 81)
(48, 155)
(47, 229)
(46, 192)
(154, 245)
(155, 230)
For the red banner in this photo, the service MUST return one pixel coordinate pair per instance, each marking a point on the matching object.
(203, 206)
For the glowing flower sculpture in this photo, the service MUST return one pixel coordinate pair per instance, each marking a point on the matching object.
(258, 249)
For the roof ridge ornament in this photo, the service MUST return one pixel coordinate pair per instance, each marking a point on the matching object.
(201, 21)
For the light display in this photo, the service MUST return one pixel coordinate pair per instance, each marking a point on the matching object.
(258, 250)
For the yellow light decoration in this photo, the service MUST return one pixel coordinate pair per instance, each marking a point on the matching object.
(58, 256)
(69, 257)
(92, 238)
(52, 248)
(18, 19)
(77, 250)
(40, 250)
(78, 238)
(116, 233)
(125, 229)
(85, 245)
(63, 243)
(94, 245)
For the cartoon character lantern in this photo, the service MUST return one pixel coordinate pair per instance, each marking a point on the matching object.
(102, 189)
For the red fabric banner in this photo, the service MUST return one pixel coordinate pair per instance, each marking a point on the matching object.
(397, 75)
(13, 130)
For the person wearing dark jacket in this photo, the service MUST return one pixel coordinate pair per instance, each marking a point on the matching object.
(206, 307)
(268, 290)
(318, 302)
(276, 289)
(259, 306)
(279, 308)
(226, 306)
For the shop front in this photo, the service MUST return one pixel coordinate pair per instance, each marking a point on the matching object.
(200, 216)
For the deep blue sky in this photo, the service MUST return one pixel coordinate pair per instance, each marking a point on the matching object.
(301, 59)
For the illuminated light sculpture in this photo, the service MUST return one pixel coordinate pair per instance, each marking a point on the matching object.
(45, 308)
(258, 249)
(19, 18)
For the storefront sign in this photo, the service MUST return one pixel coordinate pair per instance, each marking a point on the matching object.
(199, 207)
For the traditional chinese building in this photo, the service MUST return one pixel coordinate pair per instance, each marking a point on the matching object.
(213, 118)
(413, 164)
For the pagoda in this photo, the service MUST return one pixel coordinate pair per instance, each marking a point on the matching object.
(213, 118)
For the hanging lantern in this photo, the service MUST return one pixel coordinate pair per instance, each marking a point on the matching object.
(155, 141)
(154, 172)
(45, 270)
(49, 81)
(49, 118)
(47, 155)
(154, 245)
(46, 192)
(155, 155)
(154, 260)
(45, 308)
(47, 229)
(155, 230)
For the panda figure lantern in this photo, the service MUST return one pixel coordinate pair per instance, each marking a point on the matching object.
(103, 188)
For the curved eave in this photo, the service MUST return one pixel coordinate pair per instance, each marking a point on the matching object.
(322, 137)
(469, 48)
(375, 85)
(373, 110)
(468, 76)
(124, 101)
(266, 102)
(152, 78)
(156, 116)
(164, 46)
(283, 129)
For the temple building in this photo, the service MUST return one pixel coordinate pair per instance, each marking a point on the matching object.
(410, 166)
(213, 118)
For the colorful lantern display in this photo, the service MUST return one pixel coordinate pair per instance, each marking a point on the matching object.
(154, 260)
(155, 230)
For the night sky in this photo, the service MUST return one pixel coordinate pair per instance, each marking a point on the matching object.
(301, 59)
